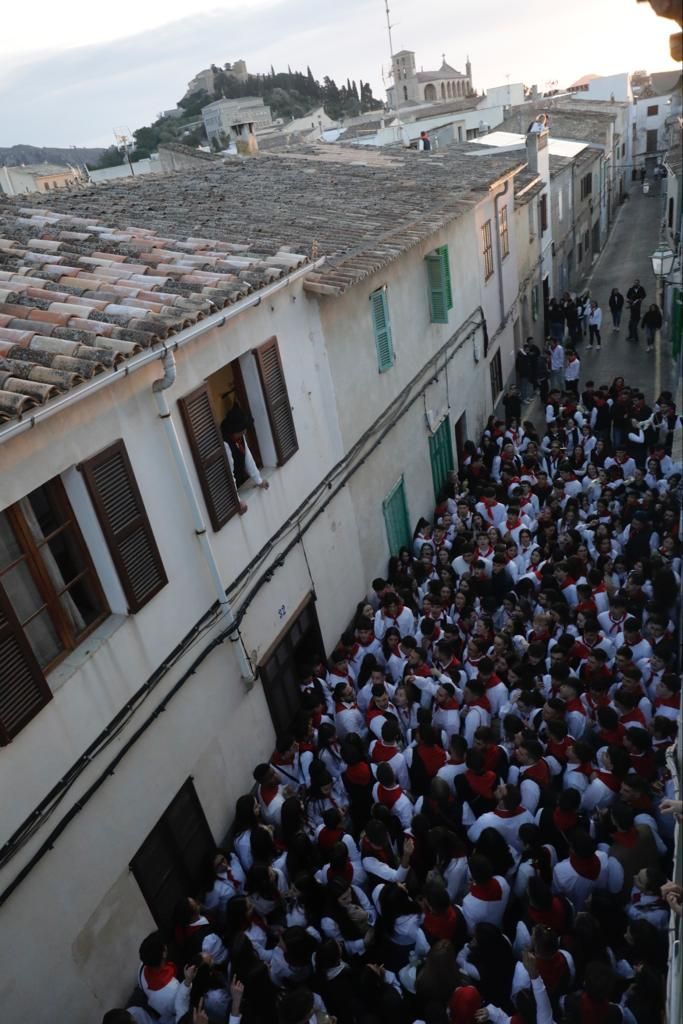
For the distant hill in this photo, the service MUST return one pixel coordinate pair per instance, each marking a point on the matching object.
(11, 156)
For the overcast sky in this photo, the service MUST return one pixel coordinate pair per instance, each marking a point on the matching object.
(70, 74)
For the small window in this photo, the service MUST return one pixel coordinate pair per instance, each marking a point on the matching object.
(381, 325)
(623, 149)
(580, 252)
(439, 283)
(396, 520)
(487, 249)
(496, 371)
(504, 233)
(653, 110)
(171, 862)
(586, 185)
(543, 214)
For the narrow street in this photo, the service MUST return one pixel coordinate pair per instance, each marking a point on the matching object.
(626, 256)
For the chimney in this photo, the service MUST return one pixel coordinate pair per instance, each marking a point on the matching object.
(535, 141)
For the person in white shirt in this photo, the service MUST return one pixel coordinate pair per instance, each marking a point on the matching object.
(488, 895)
(571, 372)
(594, 325)
(157, 980)
(507, 818)
(584, 870)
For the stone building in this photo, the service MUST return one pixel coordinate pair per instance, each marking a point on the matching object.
(15, 181)
(236, 120)
(412, 86)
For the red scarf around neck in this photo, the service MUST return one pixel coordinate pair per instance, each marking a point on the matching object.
(159, 977)
(489, 891)
(586, 867)
(483, 785)
(627, 839)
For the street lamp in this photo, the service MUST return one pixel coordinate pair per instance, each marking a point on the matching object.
(662, 265)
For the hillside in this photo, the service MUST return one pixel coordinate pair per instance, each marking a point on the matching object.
(289, 94)
(12, 156)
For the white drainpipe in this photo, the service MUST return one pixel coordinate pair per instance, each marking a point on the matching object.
(159, 387)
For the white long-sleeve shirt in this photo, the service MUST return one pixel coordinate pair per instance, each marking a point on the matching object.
(595, 318)
(250, 466)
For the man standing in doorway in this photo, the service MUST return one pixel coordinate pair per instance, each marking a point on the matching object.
(634, 298)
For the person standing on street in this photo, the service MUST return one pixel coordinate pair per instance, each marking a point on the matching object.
(594, 325)
(634, 297)
(524, 372)
(616, 306)
(571, 317)
(556, 366)
(556, 320)
(571, 372)
(652, 322)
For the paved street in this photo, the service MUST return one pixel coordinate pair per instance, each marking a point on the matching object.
(626, 256)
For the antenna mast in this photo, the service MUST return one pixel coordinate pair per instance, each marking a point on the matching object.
(391, 56)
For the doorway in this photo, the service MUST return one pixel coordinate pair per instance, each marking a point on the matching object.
(280, 668)
(460, 438)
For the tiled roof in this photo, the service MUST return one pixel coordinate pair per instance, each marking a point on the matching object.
(78, 296)
(578, 123)
(80, 289)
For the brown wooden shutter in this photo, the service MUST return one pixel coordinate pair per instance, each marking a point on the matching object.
(210, 460)
(125, 525)
(23, 690)
(277, 400)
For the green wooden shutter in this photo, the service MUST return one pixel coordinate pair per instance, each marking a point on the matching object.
(439, 281)
(396, 519)
(441, 455)
(381, 325)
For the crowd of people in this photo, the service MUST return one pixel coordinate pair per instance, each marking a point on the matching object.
(572, 320)
(472, 816)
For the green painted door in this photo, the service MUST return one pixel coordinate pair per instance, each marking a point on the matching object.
(441, 455)
(395, 510)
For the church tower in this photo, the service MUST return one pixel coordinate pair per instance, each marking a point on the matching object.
(468, 72)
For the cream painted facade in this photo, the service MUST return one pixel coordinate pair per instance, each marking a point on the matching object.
(15, 181)
(79, 904)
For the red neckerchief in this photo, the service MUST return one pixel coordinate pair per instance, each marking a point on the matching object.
(440, 926)
(564, 821)
(483, 785)
(491, 758)
(667, 702)
(513, 525)
(586, 867)
(555, 917)
(388, 797)
(433, 758)
(644, 764)
(627, 839)
(269, 792)
(378, 852)
(359, 774)
(558, 748)
(159, 977)
(489, 504)
(610, 780)
(481, 702)
(489, 891)
(381, 753)
(346, 872)
(611, 737)
(553, 971)
(636, 715)
(345, 706)
(575, 705)
(327, 837)
(500, 812)
(539, 773)
(493, 681)
(593, 1011)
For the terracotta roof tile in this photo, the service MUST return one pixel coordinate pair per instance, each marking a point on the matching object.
(78, 296)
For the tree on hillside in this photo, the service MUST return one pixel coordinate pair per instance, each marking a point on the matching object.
(112, 157)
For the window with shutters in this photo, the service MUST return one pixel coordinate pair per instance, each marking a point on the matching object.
(276, 398)
(396, 521)
(504, 233)
(171, 862)
(125, 525)
(439, 284)
(381, 325)
(496, 372)
(487, 249)
(50, 599)
(210, 459)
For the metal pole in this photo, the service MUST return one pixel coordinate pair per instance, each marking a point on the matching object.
(391, 57)
(658, 339)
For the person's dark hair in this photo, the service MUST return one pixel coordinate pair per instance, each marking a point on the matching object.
(492, 955)
(296, 1007)
(491, 846)
(117, 1017)
(151, 950)
(481, 869)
